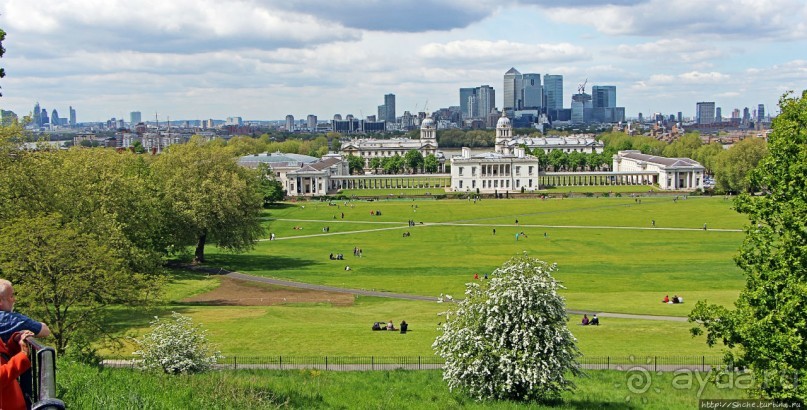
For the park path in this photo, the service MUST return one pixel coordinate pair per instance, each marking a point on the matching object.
(403, 296)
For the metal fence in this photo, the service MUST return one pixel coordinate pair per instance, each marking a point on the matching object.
(365, 363)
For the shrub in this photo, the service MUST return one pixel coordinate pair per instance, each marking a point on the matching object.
(508, 338)
(176, 346)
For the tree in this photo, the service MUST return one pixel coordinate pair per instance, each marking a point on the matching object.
(767, 330)
(176, 346)
(707, 154)
(684, 147)
(376, 163)
(733, 165)
(209, 197)
(414, 160)
(430, 163)
(508, 338)
(558, 159)
(271, 188)
(67, 277)
(355, 164)
(2, 51)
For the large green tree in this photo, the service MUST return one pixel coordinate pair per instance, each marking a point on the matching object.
(67, 277)
(430, 163)
(732, 166)
(767, 329)
(209, 197)
(355, 164)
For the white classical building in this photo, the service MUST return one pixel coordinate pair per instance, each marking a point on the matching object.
(504, 170)
(584, 143)
(677, 174)
(301, 175)
(369, 148)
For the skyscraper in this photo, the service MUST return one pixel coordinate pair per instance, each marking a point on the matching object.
(553, 90)
(761, 112)
(603, 96)
(477, 102)
(37, 119)
(718, 114)
(43, 117)
(311, 121)
(389, 102)
(465, 96)
(289, 123)
(135, 118)
(533, 92)
(72, 117)
(513, 94)
(54, 118)
(705, 112)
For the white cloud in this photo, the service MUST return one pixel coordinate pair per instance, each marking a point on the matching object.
(501, 52)
(748, 19)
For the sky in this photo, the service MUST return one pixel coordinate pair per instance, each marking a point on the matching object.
(265, 59)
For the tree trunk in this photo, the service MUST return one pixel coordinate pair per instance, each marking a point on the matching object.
(200, 249)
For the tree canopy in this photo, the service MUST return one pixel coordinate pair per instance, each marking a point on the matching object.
(210, 197)
(508, 338)
(767, 330)
(732, 166)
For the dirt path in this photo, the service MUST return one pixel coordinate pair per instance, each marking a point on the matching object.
(404, 296)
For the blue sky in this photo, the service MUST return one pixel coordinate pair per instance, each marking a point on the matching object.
(264, 59)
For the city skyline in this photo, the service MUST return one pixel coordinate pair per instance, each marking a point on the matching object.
(266, 59)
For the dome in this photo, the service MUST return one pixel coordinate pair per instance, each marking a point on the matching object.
(428, 122)
(503, 122)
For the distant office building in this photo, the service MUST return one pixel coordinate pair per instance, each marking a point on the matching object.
(705, 113)
(289, 123)
(37, 119)
(761, 112)
(603, 96)
(680, 116)
(311, 121)
(718, 114)
(72, 122)
(513, 89)
(43, 117)
(533, 92)
(735, 113)
(477, 102)
(135, 118)
(553, 92)
(238, 121)
(746, 115)
(389, 102)
(54, 118)
(337, 117)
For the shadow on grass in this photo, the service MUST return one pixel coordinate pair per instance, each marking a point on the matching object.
(120, 319)
(252, 263)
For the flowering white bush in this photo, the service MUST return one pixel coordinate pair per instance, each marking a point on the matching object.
(176, 346)
(508, 338)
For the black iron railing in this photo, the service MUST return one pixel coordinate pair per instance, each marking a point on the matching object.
(363, 363)
(42, 382)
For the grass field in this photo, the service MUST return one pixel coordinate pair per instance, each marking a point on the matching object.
(609, 256)
(314, 389)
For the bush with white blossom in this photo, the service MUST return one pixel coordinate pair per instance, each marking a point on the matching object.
(176, 346)
(508, 338)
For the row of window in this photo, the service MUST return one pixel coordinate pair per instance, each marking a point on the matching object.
(505, 183)
(530, 169)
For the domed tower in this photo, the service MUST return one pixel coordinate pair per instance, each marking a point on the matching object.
(504, 132)
(428, 132)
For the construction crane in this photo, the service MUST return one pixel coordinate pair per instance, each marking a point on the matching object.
(581, 89)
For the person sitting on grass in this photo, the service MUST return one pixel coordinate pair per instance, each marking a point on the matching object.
(666, 299)
(390, 326)
(585, 320)
(595, 321)
(404, 326)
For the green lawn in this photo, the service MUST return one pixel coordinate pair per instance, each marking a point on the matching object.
(609, 258)
(314, 389)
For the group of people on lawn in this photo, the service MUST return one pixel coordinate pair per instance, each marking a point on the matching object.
(390, 326)
(594, 321)
(675, 299)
